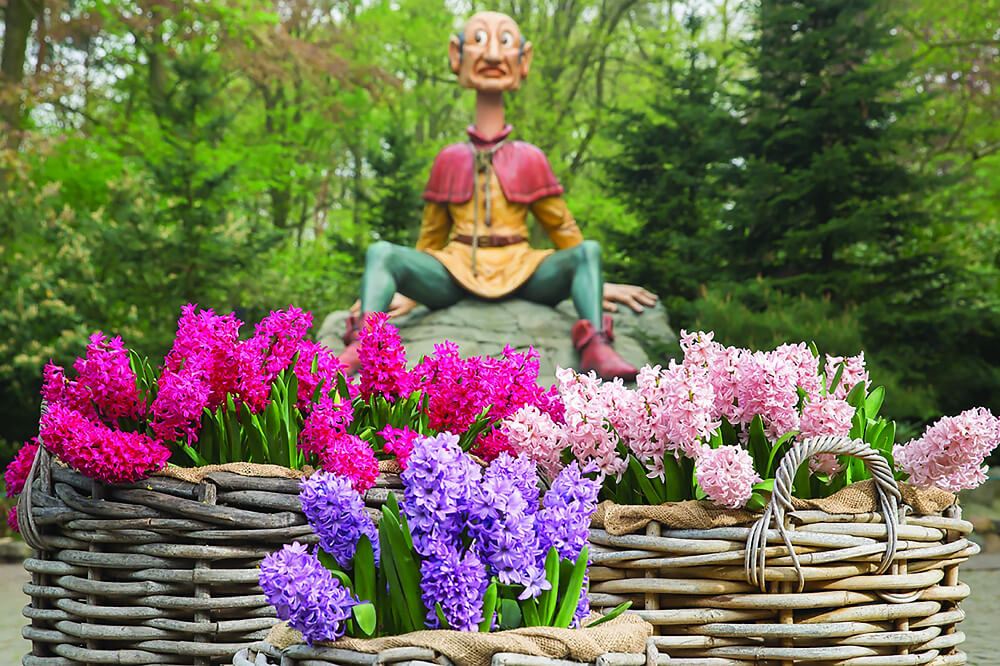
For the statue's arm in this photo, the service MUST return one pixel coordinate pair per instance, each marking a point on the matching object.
(435, 227)
(557, 221)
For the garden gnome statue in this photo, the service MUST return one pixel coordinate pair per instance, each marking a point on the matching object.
(474, 238)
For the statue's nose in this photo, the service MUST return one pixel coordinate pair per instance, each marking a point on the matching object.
(493, 51)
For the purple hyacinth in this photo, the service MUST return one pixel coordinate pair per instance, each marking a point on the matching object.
(438, 481)
(305, 593)
(337, 513)
(564, 519)
(524, 475)
(503, 525)
(457, 581)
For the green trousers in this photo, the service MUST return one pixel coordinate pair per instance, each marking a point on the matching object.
(389, 268)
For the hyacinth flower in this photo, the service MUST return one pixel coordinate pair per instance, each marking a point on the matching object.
(472, 549)
(713, 426)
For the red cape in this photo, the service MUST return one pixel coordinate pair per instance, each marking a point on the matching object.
(522, 169)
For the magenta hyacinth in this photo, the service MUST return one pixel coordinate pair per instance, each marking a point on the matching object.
(17, 471)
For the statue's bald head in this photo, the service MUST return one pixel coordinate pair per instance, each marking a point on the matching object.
(490, 54)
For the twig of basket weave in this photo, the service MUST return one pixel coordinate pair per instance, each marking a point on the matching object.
(885, 485)
(25, 516)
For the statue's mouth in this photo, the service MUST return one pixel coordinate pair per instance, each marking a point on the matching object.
(492, 72)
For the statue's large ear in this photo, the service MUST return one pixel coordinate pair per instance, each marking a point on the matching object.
(525, 59)
(455, 53)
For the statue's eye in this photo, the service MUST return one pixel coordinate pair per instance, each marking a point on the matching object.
(481, 37)
(506, 39)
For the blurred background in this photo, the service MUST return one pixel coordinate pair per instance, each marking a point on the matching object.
(777, 171)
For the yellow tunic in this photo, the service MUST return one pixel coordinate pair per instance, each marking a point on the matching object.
(499, 270)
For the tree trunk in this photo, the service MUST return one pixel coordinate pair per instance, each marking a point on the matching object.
(18, 17)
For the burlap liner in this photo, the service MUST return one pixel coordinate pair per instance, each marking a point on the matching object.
(625, 633)
(858, 497)
(198, 474)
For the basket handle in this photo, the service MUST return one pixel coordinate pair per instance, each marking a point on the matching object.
(885, 485)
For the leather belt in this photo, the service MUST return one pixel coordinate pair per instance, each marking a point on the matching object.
(489, 241)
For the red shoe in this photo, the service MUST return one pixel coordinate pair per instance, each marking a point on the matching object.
(596, 352)
(349, 358)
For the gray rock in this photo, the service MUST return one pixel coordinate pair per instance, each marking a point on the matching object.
(484, 327)
(14, 550)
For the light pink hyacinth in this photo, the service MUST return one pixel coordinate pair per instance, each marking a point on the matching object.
(854, 373)
(820, 418)
(726, 475)
(533, 432)
(767, 387)
(951, 452)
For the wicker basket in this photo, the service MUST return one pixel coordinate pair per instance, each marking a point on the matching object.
(265, 654)
(163, 571)
(858, 589)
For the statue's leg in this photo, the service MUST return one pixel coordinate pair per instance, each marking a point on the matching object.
(390, 268)
(574, 272)
(577, 272)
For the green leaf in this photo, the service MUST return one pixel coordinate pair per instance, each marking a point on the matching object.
(440, 616)
(856, 396)
(836, 377)
(653, 495)
(236, 453)
(510, 614)
(342, 389)
(364, 569)
(326, 559)
(256, 439)
(193, 455)
(547, 599)
(364, 615)
(758, 446)
(766, 484)
(567, 607)
(489, 607)
(729, 436)
(401, 611)
(802, 486)
(874, 401)
(615, 612)
(529, 613)
(756, 502)
(406, 567)
(675, 480)
(773, 457)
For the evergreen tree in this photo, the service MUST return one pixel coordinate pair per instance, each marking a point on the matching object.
(671, 172)
(825, 206)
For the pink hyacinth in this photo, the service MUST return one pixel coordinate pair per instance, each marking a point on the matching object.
(951, 452)
(261, 359)
(328, 366)
(399, 441)
(323, 425)
(823, 417)
(17, 471)
(383, 359)
(767, 387)
(685, 419)
(490, 445)
(533, 432)
(854, 373)
(12, 519)
(350, 456)
(806, 365)
(180, 401)
(726, 475)
(586, 430)
(108, 378)
(97, 451)
(205, 347)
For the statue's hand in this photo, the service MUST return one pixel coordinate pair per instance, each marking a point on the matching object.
(631, 295)
(399, 306)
